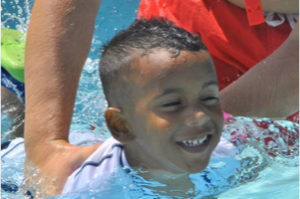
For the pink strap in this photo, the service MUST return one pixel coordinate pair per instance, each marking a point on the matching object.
(226, 115)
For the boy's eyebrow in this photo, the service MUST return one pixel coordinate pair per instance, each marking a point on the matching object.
(173, 90)
(168, 91)
(206, 84)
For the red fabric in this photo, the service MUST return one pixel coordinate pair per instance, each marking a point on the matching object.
(254, 12)
(220, 24)
(294, 117)
(234, 44)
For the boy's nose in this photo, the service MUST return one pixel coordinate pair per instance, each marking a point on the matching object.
(198, 118)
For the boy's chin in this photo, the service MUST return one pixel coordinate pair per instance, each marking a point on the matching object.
(197, 167)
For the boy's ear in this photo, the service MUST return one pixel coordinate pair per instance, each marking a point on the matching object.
(117, 125)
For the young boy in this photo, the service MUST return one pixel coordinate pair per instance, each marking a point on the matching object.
(163, 112)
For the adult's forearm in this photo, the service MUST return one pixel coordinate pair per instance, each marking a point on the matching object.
(58, 42)
(271, 88)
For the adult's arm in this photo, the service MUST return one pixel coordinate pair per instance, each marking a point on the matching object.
(269, 89)
(280, 6)
(58, 42)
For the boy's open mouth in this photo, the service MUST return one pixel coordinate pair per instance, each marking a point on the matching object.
(195, 145)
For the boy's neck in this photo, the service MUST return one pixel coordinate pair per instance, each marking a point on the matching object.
(173, 184)
(177, 184)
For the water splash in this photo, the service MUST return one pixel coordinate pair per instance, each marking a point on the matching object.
(15, 14)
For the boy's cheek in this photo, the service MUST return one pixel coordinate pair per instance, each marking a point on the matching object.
(217, 115)
(159, 123)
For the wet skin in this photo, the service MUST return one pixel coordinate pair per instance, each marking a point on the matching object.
(172, 116)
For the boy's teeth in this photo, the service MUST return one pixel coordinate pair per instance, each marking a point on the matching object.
(196, 142)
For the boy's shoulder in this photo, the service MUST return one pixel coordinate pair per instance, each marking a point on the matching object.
(13, 149)
(98, 167)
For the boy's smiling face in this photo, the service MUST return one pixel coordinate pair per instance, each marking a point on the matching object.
(173, 111)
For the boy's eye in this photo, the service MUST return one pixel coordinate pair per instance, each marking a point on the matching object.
(171, 106)
(210, 100)
(175, 103)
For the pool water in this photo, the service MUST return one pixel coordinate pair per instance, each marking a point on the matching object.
(262, 164)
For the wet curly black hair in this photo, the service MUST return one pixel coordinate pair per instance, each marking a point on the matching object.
(145, 35)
